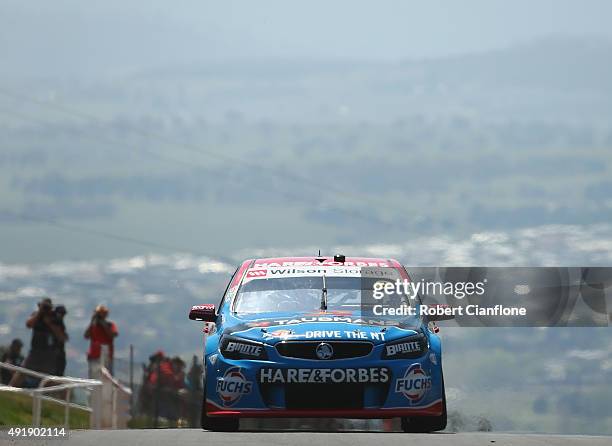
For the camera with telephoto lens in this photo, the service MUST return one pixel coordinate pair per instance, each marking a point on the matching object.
(46, 307)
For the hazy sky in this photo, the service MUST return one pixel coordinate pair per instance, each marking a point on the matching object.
(72, 36)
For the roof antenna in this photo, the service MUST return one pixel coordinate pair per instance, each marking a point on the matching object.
(324, 294)
(319, 258)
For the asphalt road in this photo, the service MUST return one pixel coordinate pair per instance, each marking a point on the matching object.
(188, 437)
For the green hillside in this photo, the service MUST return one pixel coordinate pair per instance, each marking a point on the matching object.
(16, 410)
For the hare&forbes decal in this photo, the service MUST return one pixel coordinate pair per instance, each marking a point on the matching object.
(322, 376)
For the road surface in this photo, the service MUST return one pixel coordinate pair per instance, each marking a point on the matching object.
(188, 437)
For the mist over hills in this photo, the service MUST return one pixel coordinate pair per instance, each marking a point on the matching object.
(65, 39)
(551, 63)
(185, 155)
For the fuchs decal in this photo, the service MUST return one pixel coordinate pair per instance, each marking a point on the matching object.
(232, 386)
(414, 385)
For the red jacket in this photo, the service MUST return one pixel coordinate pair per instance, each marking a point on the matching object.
(98, 338)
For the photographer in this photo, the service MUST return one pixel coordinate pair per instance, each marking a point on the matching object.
(46, 333)
(101, 332)
(11, 356)
(60, 344)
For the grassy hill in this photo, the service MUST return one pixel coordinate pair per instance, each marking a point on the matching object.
(16, 410)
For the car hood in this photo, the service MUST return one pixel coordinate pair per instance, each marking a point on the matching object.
(277, 327)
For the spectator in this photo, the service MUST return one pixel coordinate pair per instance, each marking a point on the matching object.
(164, 392)
(148, 390)
(60, 345)
(165, 373)
(161, 384)
(101, 332)
(12, 356)
(43, 350)
(194, 398)
(178, 371)
(194, 377)
(178, 393)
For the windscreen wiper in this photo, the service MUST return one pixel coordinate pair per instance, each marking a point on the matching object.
(324, 295)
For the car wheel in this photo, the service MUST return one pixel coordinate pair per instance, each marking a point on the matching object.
(427, 424)
(217, 424)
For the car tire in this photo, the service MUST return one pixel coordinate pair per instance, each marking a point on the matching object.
(217, 424)
(427, 423)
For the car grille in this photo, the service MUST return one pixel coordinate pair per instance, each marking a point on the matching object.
(324, 396)
(307, 350)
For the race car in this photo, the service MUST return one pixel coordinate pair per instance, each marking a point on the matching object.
(296, 337)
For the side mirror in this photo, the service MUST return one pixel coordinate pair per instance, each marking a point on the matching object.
(204, 313)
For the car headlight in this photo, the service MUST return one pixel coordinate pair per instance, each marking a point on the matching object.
(238, 348)
(406, 348)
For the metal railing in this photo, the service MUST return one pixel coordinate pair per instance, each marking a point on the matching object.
(116, 389)
(39, 394)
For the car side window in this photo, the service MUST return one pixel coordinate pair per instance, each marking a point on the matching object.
(229, 282)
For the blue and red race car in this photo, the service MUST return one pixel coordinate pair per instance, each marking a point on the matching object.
(292, 338)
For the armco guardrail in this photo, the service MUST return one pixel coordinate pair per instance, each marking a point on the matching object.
(120, 400)
(39, 394)
(117, 394)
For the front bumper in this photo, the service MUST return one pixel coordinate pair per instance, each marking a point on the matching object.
(434, 409)
(413, 387)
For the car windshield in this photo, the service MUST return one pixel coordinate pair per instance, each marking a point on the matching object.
(302, 294)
